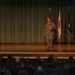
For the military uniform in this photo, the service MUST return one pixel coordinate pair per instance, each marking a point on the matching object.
(49, 34)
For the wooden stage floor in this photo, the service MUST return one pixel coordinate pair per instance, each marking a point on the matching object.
(34, 50)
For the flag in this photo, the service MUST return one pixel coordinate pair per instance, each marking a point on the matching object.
(69, 23)
(59, 25)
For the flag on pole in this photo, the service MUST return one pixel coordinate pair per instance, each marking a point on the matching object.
(59, 25)
(69, 23)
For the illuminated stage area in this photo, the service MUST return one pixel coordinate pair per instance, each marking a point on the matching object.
(34, 50)
(22, 23)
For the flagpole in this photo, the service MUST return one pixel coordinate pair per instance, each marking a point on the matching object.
(69, 27)
(59, 29)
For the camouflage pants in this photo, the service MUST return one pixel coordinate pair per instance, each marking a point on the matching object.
(49, 40)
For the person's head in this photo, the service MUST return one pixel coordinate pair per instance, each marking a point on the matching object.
(71, 58)
(48, 19)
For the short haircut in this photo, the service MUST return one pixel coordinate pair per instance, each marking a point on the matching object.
(49, 17)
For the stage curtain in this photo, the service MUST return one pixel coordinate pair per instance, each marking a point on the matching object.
(23, 21)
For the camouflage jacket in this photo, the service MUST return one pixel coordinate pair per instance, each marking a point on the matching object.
(47, 30)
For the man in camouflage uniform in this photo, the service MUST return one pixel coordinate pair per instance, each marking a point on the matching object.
(49, 33)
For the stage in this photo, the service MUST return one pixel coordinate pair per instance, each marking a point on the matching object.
(34, 50)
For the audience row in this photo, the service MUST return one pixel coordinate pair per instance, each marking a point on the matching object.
(38, 66)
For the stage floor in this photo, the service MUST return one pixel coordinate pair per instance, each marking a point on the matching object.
(36, 47)
(34, 50)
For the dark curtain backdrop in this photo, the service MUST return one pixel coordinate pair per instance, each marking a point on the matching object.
(23, 21)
